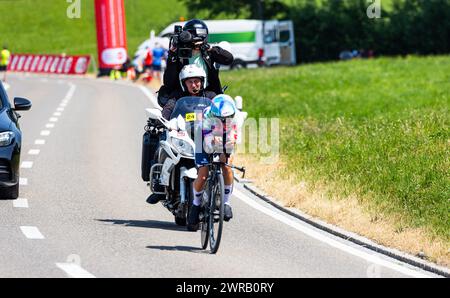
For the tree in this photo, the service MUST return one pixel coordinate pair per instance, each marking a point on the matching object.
(252, 9)
(325, 28)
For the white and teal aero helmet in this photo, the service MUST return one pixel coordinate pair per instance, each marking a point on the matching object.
(192, 71)
(223, 106)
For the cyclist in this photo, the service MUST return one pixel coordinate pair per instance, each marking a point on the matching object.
(218, 120)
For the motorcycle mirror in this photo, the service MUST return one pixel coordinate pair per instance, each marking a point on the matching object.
(154, 113)
(173, 124)
(240, 119)
(238, 100)
(181, 123)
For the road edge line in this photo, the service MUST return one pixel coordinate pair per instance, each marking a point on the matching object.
(349, 236)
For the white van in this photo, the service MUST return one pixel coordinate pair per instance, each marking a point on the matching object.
(249, 45)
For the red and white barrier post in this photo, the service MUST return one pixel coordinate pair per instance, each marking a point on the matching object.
(111, 34)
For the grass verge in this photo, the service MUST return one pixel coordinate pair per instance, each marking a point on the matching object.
(376, 131)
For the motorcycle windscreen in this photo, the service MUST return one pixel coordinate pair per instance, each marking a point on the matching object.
(190, 107)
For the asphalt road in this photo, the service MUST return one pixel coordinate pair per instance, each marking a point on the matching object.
(82, 209)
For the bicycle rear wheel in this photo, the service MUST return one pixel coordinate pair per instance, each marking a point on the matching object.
(204, 234)
(217, 210)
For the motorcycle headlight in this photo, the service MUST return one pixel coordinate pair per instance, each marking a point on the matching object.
(182, 146)
(6, 138)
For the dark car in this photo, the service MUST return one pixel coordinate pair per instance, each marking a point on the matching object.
(10, 144)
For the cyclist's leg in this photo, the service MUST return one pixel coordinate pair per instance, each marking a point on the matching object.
(199, 185)
(227, 171)
(201, 160)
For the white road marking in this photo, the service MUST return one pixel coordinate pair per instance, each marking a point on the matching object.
(60, 109)
(70, 92)
(74, 270)
(49, 125)
(26, 164)
(32, 232)
(34, 151)
(6, 85)
(20, 203)
(57, 114)
(328, 240)
(23, 181)
(39, 142)
(53, 119)
(152, 98)
(45, 133)
(63, 104)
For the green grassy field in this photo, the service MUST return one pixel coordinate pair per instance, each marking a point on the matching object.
(31, 26)
(378, 129)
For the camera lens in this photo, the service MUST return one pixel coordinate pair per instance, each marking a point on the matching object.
(185, 37)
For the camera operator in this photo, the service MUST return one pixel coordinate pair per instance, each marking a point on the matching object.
(190, 45)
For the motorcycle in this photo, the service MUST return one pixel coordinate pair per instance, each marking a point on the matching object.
(174, 172)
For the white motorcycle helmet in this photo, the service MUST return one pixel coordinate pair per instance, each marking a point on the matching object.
(192, 71)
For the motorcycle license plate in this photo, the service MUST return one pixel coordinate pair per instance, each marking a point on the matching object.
(191, 117)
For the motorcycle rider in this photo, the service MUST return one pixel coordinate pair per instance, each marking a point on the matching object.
(203, 55)
(217, 119)
(193, 83)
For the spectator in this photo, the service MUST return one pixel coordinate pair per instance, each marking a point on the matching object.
(115, 73)
(158, 56)
(4, 61)
(125, 67)
(148, 62)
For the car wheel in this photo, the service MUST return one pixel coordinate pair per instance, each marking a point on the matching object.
(10, 193)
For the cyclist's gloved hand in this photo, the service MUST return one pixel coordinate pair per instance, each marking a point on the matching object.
(209, 143)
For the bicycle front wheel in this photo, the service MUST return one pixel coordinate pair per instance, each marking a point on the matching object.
(204, 219)
(217, 210)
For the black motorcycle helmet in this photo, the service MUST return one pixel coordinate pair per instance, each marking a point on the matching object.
(198, 29)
